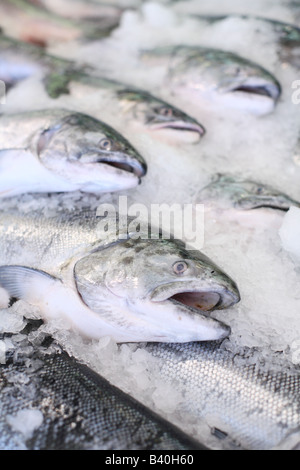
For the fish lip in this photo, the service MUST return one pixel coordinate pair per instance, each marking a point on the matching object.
(270, 90)
(266, 202)
(224, 297)
(180, 125)
(123, 162)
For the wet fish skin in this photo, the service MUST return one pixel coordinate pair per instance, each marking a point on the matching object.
(33, 23)
(246, 405)
(228, 191)
(288, 34)
(105, 284)
(79, 9)
(135, 107)
(64, 151)
(156, 114)
(79, 409)
(218, 76)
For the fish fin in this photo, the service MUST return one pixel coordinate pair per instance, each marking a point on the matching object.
(24, 283)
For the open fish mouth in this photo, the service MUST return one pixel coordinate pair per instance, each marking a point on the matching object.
(181, 126)
(124, 163)
(271, 91)
(191, 309)
(281, 204)
(199, 300)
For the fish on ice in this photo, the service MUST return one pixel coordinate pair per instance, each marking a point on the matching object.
(131, 106)
(288, 35)
(103, 283)
(248, 401)
(217, 76)
(227, 192)
(33, 22)
(57, 150)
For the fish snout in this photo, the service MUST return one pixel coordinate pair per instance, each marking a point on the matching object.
(131, 162)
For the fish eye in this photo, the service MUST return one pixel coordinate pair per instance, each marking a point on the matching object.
(260, 190)
(180, 267)
(106, 144)
(165, 111)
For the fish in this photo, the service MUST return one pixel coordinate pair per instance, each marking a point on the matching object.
(288, 35)
(216, 76)
(57, 150)
(99, 279)
(66, 406)
(227, 191)
(79, 9)
(158, 117)
(248, 401)
(32, 22)
(132, 106)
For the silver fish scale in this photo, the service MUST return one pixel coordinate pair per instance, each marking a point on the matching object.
(44, 240)
(81, 411)
(254, 408)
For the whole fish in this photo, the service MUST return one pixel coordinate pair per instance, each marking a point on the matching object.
(245, 403)
(92, 274)
(222, 77)
(130, 105)
(58, 150)
(66, 406)
(33, 23)
(288, 34)
(227, 191)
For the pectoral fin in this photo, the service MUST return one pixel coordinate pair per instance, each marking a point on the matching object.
(25, 283)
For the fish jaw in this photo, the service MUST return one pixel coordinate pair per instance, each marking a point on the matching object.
(279, 202)
(178, 131)
(21, 172)
(210, 296)
(112, 172)
(123, 161)
(173, 322)
(100, 177)
(181, 309)
(258, 96)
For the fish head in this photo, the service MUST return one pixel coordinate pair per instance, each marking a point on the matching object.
(161, 286)
(160, 118)
(250, 85)
(226, 78)
(89, 153)
(230, 192)
(254, 195)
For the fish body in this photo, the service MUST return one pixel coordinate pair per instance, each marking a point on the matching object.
(73, 408)
(103, 283)
(217, 76)
(59, 150)
(135, 107)
(229, 192)
(32, 22)
(288, 35)
(245, 403)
